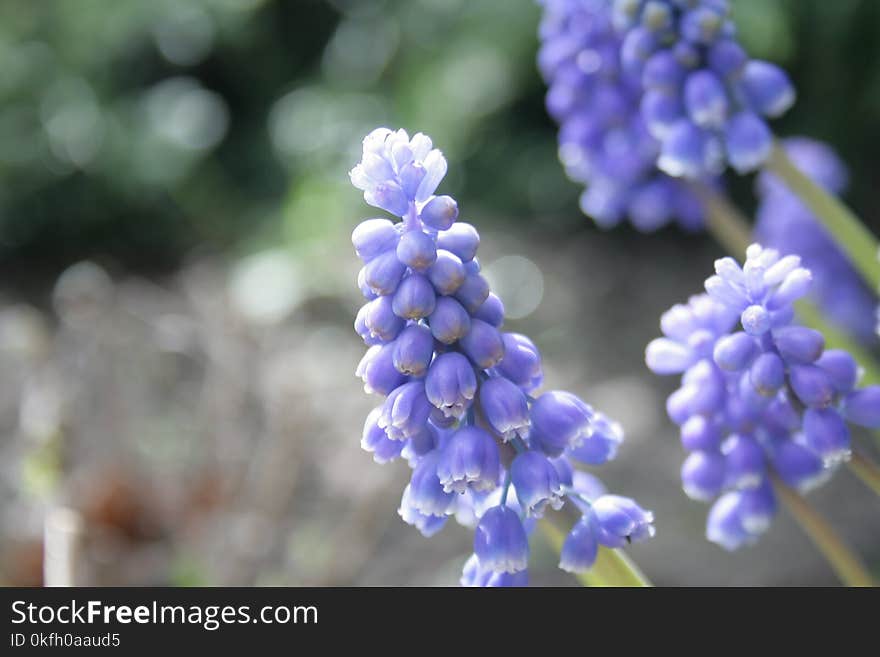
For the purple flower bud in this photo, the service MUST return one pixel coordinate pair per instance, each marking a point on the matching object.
(734, 352)
(360, 326)
(745, 461)
(505, 408)
(365, 289)
(862, 407)
(536, 482)
(374, 237)
(637, 46)
(795, 285)
(580, 549)
(767, 374)
(461, 238)
(705, 99)
(500, 541)
(619, 520)
(826, 433)
(699, 433)
(757, 508)
(451, 384)
(406, 410)
(601, 445)
(483, 344)
(799, 344)
(727, 58)
(426, 494)
(755, 320)
(491, 311)
(559, 420)
(687, 151)
(427, 524)
(450, 321)
(469, 460)
(472, 267)
(705, 388)
(447, 273)
(841, 368)
(417, 250)
(383, 273)
(657, 16)
(377, 370)
(665, 356)
(389, 196)
(564, 470)
(411, 176)
(703, 475)
(435, 168)
(375, 441)
(725, 526)
(522, 361)
(663, 71)
(414, 297)
(812, 385)
(748, 141)
(440, 212)
(767, 88)
(473, 575)
(420, 444)
(413, 350)
(381, 321)
(798, 466)
(660, 112)
(472, 292)
(703, 24)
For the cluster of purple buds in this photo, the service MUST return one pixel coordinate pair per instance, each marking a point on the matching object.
(702, 97)
(760, 397)
(785, 223)
(603, 142)
(459, 404)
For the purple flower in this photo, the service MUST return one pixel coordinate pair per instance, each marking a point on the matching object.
(505, 408)
(500, 541)
(705, 101)
(474, 575)
(766, 399)
(619, 520)
(605, 141)
(580, 549)
(469, 460)
(559, 420)
(522, 361)
(451, 384)
(537, 483)
(431, 325)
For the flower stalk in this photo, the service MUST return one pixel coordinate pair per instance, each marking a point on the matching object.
(845, 563)
(848, 231)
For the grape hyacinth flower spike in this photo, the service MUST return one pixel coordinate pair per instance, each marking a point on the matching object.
(648, 92)
(760, 397)
(702, 97)
(604, 142)
(459, 404)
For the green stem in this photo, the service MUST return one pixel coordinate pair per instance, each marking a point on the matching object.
(848, 231)
(845, 563)
(866, 470)
(612, 567)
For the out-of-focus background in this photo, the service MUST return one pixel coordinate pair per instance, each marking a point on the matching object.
(177, 399)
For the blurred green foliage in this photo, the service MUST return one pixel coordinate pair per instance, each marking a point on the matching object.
(141, 130)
